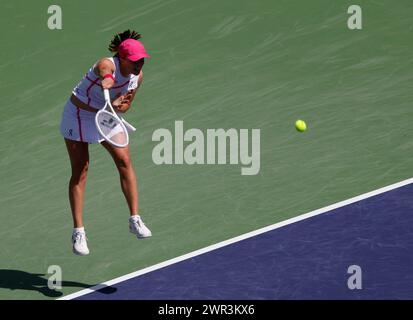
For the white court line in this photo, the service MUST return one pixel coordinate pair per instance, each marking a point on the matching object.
(237, 239)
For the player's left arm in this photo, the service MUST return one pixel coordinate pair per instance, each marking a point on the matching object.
(124, 102)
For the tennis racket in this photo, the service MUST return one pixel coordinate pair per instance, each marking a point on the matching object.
(112, 127)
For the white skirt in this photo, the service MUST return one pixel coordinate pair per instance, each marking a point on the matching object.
(79, 125)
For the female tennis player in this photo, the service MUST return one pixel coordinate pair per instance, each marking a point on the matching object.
(122, 75)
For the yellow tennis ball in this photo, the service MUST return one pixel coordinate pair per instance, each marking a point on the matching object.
(300, 125)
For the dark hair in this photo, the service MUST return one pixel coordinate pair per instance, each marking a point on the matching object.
(122, 36)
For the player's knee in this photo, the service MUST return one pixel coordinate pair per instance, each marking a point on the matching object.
(123, 162)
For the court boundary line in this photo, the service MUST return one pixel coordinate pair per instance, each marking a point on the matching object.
(238, 238)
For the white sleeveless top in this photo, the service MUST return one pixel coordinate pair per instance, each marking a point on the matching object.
(89, 89)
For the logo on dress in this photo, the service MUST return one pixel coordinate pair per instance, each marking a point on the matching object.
(133, 83)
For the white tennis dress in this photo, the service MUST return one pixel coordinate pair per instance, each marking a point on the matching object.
(78, 124)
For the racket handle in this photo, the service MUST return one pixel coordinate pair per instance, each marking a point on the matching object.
(128, 125)
(106, 94)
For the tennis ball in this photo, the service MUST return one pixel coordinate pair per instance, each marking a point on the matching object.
(300, 125)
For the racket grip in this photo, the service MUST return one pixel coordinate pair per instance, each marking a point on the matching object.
(106, 94)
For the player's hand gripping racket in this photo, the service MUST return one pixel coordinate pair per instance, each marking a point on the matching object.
(111, 126)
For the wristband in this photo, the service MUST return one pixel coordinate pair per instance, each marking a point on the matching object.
(108, 75)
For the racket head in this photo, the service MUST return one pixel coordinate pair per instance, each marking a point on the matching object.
(112, 128)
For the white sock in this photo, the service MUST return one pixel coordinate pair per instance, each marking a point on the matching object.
(135, 217)
(81, 230)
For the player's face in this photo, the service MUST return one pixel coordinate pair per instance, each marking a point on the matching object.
(135, 67)
(129, 67)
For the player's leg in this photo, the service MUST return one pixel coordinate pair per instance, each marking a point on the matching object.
(128, 182)
(76, 127)
(79, 161)
(129, 185)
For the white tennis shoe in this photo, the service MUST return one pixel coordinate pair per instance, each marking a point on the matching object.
(136, 226)
(79, 242)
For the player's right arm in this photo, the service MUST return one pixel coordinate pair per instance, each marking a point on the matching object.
(104, 67)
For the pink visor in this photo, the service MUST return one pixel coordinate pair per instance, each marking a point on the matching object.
(132, 49)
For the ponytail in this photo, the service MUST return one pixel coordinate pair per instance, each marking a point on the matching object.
(120, 37)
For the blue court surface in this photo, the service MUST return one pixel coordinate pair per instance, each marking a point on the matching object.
(307, 259)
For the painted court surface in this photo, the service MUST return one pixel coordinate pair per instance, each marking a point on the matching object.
(308, 259)
(216, 64)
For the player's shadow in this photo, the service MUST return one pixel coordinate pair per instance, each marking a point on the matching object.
(22, 280)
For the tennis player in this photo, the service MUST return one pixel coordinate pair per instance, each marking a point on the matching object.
(123, 75)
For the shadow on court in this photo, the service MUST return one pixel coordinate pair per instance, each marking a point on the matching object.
(22, 280)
